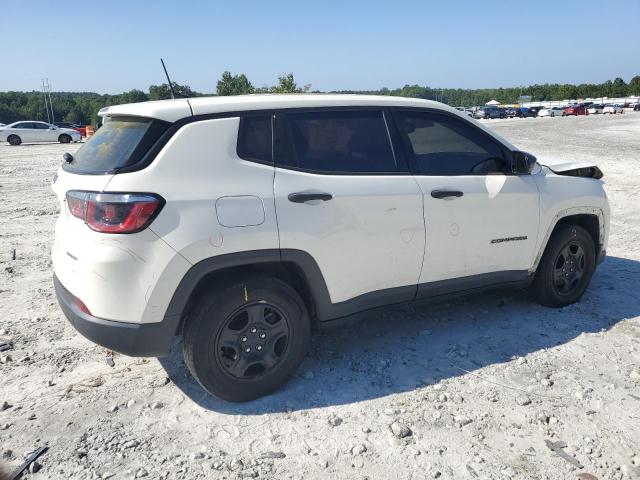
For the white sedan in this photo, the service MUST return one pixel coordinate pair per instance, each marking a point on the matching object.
(595, 109)
(613, 109)
(551, 112)
(32, 131)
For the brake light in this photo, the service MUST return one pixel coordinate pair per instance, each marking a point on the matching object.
(114, 212)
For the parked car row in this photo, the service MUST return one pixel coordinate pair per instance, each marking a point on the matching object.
(587, 108)
(31, 131)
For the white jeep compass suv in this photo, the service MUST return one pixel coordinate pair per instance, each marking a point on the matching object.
(243, 222)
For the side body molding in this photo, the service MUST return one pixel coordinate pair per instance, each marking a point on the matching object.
(303, 262)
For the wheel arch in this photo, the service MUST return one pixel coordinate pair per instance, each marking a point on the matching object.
(14, 135)
(589, 218)
(295, 267)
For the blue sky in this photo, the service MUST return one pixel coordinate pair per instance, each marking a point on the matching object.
(113, 46)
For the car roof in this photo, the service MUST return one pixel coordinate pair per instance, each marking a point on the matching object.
(173, 110)
(177, 109)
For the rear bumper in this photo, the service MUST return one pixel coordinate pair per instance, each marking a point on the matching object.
(132, 339)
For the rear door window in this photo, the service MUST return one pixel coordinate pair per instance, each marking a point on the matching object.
(328, 141)
(119, 143)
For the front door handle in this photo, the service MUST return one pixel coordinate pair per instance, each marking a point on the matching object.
(301, 197)
(446, 193)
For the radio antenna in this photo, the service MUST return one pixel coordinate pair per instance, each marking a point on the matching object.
(173, 94)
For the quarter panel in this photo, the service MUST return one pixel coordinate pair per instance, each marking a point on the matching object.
(198, 166)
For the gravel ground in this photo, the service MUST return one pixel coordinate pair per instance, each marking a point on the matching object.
(478, 388)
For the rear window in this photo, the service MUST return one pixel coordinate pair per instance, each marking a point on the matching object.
(120, 142)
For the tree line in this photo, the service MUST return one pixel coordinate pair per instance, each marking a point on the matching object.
(82, 107)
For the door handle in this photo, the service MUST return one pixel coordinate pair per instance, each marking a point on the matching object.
(301, 197)
(446, 193)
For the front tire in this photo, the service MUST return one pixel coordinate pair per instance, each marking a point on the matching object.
(566, 267)
(246, 339)
(64, 138)
(14, 140)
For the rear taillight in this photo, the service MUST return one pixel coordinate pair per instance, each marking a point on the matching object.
(114, 212)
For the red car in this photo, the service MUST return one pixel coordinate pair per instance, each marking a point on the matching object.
(575, 110)
(79, 128)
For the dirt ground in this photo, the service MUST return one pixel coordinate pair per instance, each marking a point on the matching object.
(470, 389)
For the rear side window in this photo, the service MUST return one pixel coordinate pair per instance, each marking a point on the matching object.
(335, 141)
(119, 143)
(444, 145)
(255, 138)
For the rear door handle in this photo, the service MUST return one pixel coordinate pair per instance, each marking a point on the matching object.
(301, 197)
(446, 193)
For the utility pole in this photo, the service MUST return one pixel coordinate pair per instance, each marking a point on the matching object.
(46, 104)
(53, 118)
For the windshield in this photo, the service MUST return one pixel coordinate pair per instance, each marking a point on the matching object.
(120, 142)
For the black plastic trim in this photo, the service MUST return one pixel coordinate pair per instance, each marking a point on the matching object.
(474, 283)
(133, 339)
(155, 339)
(324, 309)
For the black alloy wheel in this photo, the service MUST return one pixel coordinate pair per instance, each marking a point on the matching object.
(569, 268)
(252, 341)
(566, 267)
(245, 336)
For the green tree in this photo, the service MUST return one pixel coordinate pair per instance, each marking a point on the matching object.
(233, 84)
(618, 88)
(163, 92)
(287, 84)
(634, 86)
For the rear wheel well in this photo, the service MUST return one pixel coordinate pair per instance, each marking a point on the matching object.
(287, 272)
(589, 222)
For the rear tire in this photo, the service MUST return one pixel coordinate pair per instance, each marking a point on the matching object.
(566, 267)
(64, 138)
(14, 140)
(245, 339)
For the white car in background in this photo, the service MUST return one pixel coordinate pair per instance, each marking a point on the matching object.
(33, 131)
(465, 110)
(613, 109)
(551, 112)
(595, 109)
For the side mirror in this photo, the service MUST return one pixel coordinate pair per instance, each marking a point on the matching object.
(523, 162)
